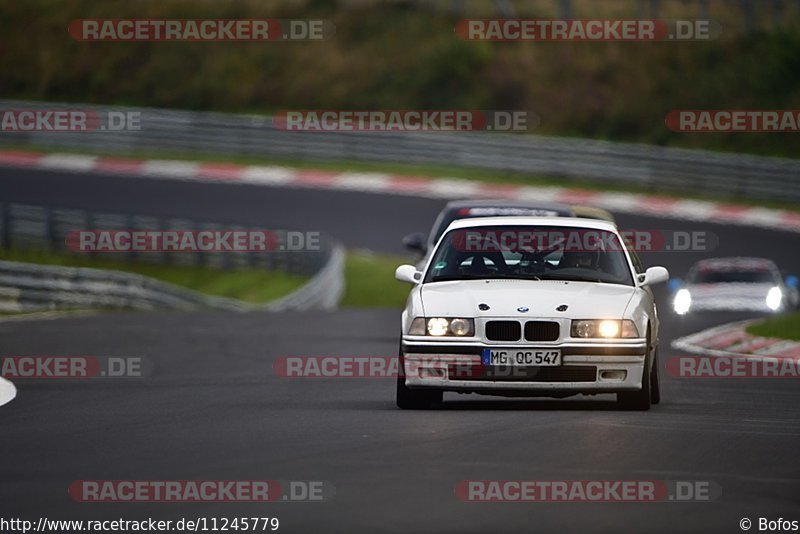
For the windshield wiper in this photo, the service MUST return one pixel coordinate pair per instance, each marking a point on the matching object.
(450, 278)
(486, 277)
(568, 278)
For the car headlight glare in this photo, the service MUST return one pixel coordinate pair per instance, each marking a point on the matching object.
(438, 326)
(774, 298)
(442, 326)
(682, 302)
(608, 328)
(593, 328)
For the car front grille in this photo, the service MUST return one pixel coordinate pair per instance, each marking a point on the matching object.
(503, 331)
(541, 331)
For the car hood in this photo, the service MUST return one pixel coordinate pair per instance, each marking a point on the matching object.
(585, 300)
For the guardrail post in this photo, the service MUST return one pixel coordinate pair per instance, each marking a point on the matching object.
(5, 234)
(162, 226)
(90, 227)
(49, 229)
(199, 255)
(565, 9)
(129, 223)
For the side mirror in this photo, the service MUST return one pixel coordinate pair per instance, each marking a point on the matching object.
(674, 284)
(653, 275)
(415, 242)
(408, 273)
(792, 281)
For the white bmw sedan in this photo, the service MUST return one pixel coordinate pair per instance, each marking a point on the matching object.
(530, 306)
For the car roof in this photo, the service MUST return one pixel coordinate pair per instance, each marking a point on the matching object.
(591, 212)
(735, 261)
(572, 222)
(501, 203)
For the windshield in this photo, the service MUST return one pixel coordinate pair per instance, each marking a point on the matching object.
(530, 253)
(749, 276)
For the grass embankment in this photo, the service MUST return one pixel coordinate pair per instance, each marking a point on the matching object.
(370, 281)
(250, 285)
(369, 277)
(394, 55)
(783, 327)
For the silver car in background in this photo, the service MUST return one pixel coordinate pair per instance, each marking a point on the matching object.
(735, 284)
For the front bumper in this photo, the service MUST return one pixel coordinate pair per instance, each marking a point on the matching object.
(708, 304)
(585, 368)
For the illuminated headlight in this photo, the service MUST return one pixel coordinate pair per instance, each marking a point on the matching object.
(774, 298)
(590, 328)
(682, 302)
(438, 326)
(441, 326)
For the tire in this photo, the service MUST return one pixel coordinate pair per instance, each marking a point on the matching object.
(639, 400)
(655, 381)
(415, 399)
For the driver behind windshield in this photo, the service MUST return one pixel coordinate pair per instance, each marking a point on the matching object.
(573, 259)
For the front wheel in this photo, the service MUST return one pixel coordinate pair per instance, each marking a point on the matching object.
(641, 399)
(414, 399)
(655, 381)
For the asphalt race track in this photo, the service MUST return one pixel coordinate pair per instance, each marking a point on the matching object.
(212, 407)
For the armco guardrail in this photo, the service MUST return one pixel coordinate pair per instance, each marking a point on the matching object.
(30, 287)
(27, 287)
(605, 162)
(47, 228)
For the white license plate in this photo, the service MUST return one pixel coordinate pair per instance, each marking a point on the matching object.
(522, 357)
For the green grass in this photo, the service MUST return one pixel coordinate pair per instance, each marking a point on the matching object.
(783, 327)
(426, 171)
(369, 277)
(250, 285)
(370, 281)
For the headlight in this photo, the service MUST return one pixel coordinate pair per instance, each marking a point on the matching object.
(441, 326)
(593, 328)
(461, 327)
(682, 302)
(438, 326)
(774, 298)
